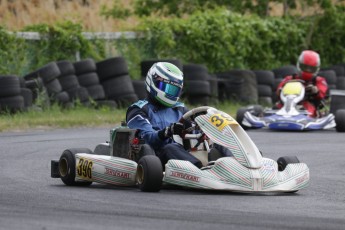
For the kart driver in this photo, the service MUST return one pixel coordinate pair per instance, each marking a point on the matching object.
(308, 66)
(157, 117)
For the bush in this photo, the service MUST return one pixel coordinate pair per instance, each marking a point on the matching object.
(223, 40)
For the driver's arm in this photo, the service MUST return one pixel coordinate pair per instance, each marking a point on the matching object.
(137, 119)
(322, 86)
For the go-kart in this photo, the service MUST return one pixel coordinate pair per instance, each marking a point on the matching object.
(292, 116)
(126, 161)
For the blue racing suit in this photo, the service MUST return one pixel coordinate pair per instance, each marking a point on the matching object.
(148, 118)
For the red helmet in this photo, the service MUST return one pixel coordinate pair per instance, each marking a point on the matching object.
(308, 64)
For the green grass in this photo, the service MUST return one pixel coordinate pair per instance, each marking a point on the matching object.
(55, 117)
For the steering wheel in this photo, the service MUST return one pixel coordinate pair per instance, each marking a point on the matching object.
(190, 115)
(296, 80)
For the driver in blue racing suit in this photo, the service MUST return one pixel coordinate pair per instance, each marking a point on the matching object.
(157, 117)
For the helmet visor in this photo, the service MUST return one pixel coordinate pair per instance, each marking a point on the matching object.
(308, 68)
(169, 88)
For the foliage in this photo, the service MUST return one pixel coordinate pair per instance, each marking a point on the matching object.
(223, 40)
(11, 62)
(116, 11)
(61, 42)
(178, 8)
(328, 36)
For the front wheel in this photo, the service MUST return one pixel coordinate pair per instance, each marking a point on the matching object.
(340, 120)
(149, 174)
(284, 161)
(67, 165)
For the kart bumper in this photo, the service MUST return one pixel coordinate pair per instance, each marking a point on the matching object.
(228, 174)
(300, 122)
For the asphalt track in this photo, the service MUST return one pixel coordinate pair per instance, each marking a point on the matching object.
(30, 199)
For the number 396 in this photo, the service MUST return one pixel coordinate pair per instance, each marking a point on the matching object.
(84, 168)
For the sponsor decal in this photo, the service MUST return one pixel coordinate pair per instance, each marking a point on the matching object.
(269, 166)
(116, 173)
(185, 176)
(302, 179)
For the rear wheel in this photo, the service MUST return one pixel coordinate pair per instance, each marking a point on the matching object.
(240, 116)
(149, 174)
(67, 167)
(340, 120)
(284, 161)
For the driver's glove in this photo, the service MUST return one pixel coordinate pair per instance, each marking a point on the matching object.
(311, 89)
(169, 131)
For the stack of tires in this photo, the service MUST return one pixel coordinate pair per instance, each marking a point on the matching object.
(86, 72)
(11, 99)
(331, 79)
(242, 84)
(140, 88)
(229, 86)
(339, 71)
(39, 92)
(114, 77)
(197, 88)
(265, 83)
(279, 74)
(26, 93)
(48, 74)
(69, 83)
(341, 77)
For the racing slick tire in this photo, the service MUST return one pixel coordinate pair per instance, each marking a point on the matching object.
(149, 174)
(67, 167)
(284, 161)
(240, 115)
(145, 150)
(340, 120)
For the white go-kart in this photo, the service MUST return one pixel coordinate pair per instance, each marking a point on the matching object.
(126, 161)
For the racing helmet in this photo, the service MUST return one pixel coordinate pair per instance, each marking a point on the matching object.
(308, 64)
(164, 83)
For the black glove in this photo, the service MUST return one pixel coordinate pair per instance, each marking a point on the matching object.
(311, 89)
(169, 131)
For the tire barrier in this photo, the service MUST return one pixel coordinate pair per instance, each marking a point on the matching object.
(140, 88)
(11, 99)
(51, 85)
(86, 72)
(229, 86)
(331, 79)
(114, 77)
(108, 83)
(70, 84)
(339, 69)
(111, 68)
(239, 85)
(265, 84)
(279, 74)
(197, 87)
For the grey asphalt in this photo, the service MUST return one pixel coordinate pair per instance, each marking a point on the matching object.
(30, 199)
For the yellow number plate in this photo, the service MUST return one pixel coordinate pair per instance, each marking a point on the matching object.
(84, 168)
(222, 120)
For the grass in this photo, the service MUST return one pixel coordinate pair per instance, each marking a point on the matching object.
(55, 117)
